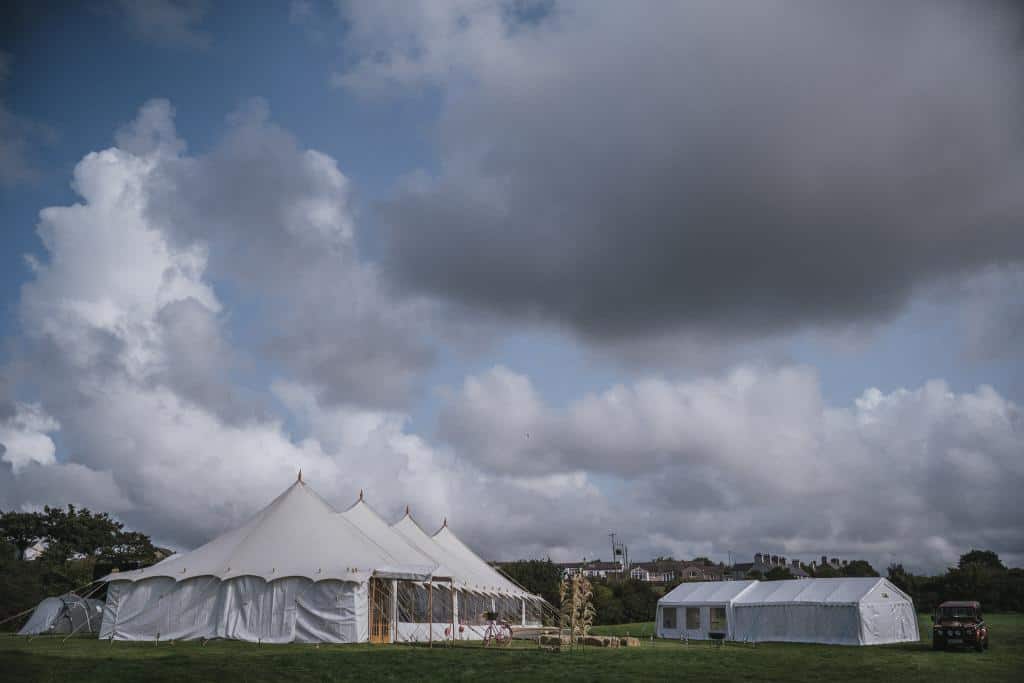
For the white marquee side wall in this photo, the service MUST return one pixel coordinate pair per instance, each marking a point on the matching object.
(807, 623)
(286, 610)
(680, 631)
(882, 623)
(247, 608)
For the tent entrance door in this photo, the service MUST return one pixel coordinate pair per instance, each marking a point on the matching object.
(380, 611)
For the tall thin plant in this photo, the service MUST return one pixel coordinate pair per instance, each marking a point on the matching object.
(585, 611)
(577, 608)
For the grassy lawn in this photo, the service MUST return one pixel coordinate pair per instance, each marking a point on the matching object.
(46, 659)
(643, 629)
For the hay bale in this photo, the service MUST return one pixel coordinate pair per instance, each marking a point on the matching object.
(629, 641)
(556, 640)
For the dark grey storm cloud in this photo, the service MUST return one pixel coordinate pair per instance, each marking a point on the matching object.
(278, 224)
(706, 167)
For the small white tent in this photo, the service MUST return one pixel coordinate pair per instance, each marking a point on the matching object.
(298, 571)
(66, 614)
(842, 611)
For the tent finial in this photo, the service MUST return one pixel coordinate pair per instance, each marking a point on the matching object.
(300, 475)
(360, 494)
(444, 525)
(407, 510)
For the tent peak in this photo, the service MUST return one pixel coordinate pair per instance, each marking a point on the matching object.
(360, 494)
(407, 509)
(300, 476)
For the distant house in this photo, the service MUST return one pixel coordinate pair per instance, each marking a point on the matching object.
(654, 571)
(698, 571)
(667, 571)
(651, 572)
(594, 569)
(764, 563)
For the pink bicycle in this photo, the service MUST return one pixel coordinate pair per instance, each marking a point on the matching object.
(498, 632)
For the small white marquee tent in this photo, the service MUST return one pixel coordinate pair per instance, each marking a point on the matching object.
(842, 611)
(299, 571)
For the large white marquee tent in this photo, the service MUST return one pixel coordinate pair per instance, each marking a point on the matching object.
(842, 611)
(300, 571)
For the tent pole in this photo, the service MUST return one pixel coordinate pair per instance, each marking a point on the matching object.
(430, 612)
(455, 606)
(371, 622)
(19, 614)
(394, 610)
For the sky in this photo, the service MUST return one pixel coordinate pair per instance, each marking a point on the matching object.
(722, 278)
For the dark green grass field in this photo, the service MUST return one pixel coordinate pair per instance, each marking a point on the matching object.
(46, 659)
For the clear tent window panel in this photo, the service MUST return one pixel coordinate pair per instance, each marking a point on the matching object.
(473, 607)
(510, 609)
(412, 602)
(534, 612)
(442, 604)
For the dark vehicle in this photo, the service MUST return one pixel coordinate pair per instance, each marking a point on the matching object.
(959, 623)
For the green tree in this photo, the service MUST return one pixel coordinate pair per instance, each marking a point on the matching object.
(778, 574)
(130, 547)
(607, 605)
(825, 571)
(858, 568)
(899, 576)
(985, 559)
(980, 575)
(71, 531)
(22, 530)
(541, 577)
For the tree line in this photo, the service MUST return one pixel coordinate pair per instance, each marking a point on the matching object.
(615, 601)
(979, 575)
(77, 546)
(69, 532)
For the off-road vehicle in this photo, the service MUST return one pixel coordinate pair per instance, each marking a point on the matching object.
(959, 623)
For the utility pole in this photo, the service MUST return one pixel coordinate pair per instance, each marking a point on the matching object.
(619, 550)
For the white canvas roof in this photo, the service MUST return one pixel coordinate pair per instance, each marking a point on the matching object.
(839, 591)
(301, 535)
(454, 558)
(374, 527)
(298, 534)
(705, 593)
(471, 562)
